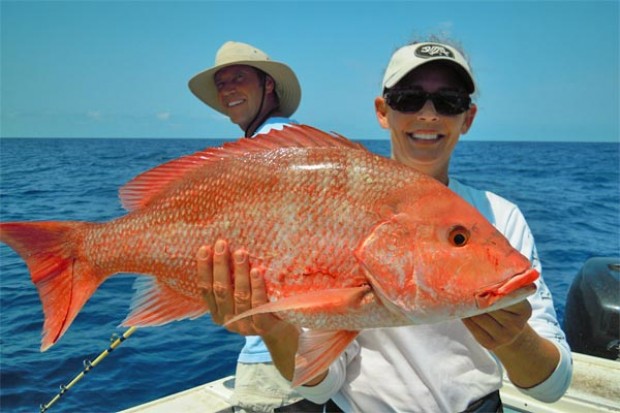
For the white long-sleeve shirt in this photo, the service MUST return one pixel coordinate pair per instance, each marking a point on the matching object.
(440, 367)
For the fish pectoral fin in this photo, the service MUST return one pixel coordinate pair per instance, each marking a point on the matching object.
(155, 304)
(333, 301)
(317, 351)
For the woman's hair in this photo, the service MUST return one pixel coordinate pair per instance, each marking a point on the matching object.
(443, 39)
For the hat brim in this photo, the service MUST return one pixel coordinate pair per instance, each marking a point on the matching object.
(287, 86)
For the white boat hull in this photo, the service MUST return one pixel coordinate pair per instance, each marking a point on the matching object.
(595, 388)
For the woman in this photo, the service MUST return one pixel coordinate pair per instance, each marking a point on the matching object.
(451, 366)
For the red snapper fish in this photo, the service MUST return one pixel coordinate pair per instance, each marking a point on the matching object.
(348, 240)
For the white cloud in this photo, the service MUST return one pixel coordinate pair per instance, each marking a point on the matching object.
(94, 114)
(163, 116)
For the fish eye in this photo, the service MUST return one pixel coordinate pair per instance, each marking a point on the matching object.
(458, 236)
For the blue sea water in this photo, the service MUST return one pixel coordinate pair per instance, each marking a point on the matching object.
(569, 193)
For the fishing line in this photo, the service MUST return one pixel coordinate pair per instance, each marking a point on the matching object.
(88, 365)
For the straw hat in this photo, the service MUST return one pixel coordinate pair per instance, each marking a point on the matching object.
(234, 53)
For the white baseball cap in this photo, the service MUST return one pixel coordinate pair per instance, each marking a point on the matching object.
(409, 57)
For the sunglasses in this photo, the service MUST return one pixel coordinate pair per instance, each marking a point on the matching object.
(446, 102)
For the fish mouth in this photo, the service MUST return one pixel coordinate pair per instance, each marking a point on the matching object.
(508, 292)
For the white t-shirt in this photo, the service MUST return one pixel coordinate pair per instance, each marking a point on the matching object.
(441, 367)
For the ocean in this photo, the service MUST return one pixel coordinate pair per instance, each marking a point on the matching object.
(568, 192)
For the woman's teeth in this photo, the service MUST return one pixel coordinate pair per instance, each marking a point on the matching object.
(424, 136)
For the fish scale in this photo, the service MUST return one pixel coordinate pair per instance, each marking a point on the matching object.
(293, 213)
(348, 240)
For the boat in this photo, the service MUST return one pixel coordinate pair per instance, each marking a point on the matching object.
(595, 388)
(592, 324)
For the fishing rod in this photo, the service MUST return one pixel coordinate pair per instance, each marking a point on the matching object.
(88, 365)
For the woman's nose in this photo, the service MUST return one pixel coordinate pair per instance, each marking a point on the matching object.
(428, 111)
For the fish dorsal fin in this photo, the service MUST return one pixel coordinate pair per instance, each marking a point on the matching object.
(140, 191)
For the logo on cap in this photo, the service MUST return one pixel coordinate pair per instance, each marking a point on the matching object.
(427, 51)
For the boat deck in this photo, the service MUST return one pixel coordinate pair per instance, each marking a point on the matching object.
(595, 388)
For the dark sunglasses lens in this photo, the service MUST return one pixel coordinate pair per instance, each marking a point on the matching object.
(406, 101)
(451, 104)
(446, 103)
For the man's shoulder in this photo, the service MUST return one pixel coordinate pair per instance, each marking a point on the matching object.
(277, 123)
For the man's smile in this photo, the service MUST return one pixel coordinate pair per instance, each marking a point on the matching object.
(234, 103)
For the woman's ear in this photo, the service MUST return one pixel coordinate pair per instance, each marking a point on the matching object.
(381, 111)
(469, 118)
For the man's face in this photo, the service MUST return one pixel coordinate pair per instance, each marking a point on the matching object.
(426, 139)
(239, 91)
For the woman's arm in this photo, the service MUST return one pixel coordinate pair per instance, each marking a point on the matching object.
(230, 287)
(528, 358)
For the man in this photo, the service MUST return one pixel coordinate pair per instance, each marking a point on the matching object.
(249, 88)
(257, 94)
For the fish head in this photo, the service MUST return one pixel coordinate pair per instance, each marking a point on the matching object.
(434, 257)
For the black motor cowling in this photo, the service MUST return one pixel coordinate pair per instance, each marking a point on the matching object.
(592, 315)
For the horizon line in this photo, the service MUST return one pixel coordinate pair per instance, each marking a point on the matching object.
(353, 139)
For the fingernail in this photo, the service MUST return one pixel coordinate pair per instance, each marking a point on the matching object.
(240, 257)
(203, 253)
(220, 247)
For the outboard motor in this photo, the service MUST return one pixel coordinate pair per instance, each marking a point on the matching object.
(592, 315)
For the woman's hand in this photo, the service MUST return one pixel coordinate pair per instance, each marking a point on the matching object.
(500, 327)
(231, 291)
(230, 288)
(528, 358)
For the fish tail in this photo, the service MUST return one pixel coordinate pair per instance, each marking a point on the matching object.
(64, 280)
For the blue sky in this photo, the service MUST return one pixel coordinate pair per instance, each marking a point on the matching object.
(546, 70)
